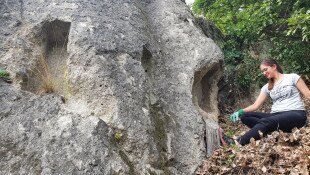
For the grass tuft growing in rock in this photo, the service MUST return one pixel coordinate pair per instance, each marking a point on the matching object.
(46, 80)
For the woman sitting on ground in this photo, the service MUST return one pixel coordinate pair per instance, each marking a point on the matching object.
(287, 110)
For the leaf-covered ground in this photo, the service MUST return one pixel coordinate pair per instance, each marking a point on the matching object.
(278, 153)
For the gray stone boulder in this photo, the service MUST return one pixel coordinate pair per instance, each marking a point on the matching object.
(106, 87)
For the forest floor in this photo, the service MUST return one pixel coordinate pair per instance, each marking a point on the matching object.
(277, 153)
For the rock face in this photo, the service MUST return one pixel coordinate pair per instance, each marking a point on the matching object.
(106, 87)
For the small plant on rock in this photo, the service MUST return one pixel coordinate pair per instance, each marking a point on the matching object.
(118, 136)
(5, 75)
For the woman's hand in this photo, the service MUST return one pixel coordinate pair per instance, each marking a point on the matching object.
(236, 115)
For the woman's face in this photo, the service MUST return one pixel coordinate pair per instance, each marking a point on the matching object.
(268, 71)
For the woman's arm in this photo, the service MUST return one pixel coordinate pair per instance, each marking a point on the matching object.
(302, 87)
(258, 103)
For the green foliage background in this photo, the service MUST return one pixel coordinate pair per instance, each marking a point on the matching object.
(281, 26)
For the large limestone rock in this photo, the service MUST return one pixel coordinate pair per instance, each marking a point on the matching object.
(106, 87)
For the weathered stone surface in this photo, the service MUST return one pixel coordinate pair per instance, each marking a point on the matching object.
(134, 92)
(209, 29)
(38, 137)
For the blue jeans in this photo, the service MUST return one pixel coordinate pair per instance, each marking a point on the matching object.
(269, 122)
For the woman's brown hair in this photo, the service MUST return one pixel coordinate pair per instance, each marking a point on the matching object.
(271, 62)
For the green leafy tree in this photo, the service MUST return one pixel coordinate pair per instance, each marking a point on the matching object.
(283, 24)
